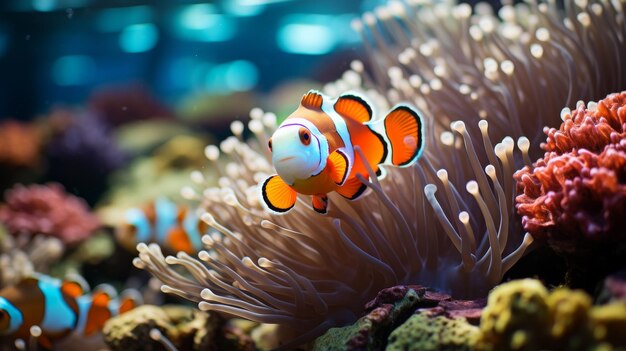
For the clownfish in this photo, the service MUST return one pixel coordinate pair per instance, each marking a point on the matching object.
(313, 149)
(59, 308)
(173, 227)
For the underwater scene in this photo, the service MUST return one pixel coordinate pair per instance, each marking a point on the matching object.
(241, 175)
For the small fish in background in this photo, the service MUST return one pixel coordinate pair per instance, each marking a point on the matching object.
(59, 308)
(313, 150)
(174, 227)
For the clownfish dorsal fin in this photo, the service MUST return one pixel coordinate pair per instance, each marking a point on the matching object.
(74, 285)
(339, 166)
(353, 107)
(277, 196)
(312, 100)
(352, 188)
(320, 203)
(129, 299)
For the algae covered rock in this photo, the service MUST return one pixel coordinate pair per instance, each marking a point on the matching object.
(131, 330)
(523, 315)
(370, 332)
(431, 330)
(408, 318)
(187, 328)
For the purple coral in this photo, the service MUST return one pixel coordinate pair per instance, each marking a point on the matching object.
(82, 152)
(48, 210)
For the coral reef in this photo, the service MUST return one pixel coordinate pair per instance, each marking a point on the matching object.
(575, 196)
(82, 152)
(47, 210)
(21, 257)
(523, 315)
(183, 327)
(455, 228)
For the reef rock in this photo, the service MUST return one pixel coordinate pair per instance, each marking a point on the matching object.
(186, 327)
(407, 318)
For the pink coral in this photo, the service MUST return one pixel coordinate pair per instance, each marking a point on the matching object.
(575, 197)
(48, 210)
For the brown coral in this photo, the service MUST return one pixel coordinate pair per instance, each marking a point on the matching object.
(49, 210)
(575, 197)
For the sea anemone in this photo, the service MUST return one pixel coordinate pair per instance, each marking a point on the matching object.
(575, 196)
(48, 210)
(447, 222)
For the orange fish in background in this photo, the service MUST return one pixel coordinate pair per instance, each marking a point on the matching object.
(313, 150)
(174, 227)
(59, 308)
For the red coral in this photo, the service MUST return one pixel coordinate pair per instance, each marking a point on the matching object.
(590, 129)
(575, 197)
(47, 210)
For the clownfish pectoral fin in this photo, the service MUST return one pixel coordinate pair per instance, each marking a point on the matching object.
(312, 100)
(403, 126)
(277, 196)
(339, 164)
(353, 107)
(320, 203)
(352, 188)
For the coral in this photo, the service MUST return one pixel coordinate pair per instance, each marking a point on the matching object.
(449, 221)
(575, 196)
(426, 331)
(21, 257)
(48, 210)
(120, 105)
(184, 327)
(82, 152)
(523, 315)
(20, 144)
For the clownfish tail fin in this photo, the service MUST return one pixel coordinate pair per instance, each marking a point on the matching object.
(404, 131)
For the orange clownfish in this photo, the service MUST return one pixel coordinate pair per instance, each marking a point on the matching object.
(313, 150)
(172, 226)
(58, 308)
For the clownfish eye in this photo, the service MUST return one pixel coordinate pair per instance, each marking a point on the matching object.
(269, 144)
(305, 136)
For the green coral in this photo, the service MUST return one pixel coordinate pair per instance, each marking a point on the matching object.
(425, 332)
(523, 315)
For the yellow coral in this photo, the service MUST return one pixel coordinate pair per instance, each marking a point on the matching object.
(522, 315)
